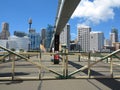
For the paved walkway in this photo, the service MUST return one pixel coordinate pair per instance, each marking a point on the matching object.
(71, 84)
(26, 69)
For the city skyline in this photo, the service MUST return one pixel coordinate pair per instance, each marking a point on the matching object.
(17, 14)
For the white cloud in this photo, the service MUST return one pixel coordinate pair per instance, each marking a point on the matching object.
(82, 25)
(96, 11)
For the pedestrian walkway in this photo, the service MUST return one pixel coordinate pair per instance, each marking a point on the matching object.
(69, 84)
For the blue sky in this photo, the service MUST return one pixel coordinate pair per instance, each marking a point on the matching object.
(18, 12)
(100, 15)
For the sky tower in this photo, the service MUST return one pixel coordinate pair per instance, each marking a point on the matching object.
(30, 23)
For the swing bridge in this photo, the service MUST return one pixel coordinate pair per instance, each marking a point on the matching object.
(39, 65)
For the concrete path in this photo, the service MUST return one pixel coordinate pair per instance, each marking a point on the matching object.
(71, 84)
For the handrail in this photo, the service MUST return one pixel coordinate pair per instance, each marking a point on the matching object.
(10, 51)
(34, 63)
(86, 66)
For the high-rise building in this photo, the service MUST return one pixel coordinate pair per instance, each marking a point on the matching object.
(34, 41)
(107, 42)
(65, 36)
(84, 38)
(115, 31)
(96, 41)
(5, 31)
(43, 36)
(49, 35)
(112, 38)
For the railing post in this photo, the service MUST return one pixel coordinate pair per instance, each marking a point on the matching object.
(40, 63)
(89, 64)
(111, 67)
(63, 59)
(66, 63)
(13, 66)
(79, 57)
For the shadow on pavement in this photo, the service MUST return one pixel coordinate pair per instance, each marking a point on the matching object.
(111, 83)
(40, 85)
(11, 82)
(10, 74)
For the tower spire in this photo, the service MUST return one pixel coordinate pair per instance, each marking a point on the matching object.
(30, 23)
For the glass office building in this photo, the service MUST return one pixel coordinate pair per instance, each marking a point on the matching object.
(34, 41)
(49, 35)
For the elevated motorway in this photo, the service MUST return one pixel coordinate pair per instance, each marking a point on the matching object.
(65, 10)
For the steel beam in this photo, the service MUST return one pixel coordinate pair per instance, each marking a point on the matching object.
(65, 11)
(67, 8)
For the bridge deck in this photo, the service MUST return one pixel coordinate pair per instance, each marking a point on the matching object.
(27, 70)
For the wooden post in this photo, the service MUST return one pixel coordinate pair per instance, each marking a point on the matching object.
(66, 63)
(79, 57)
(3, 58)
(40, 68)
(111, 67)
(89, 64)
(63, 58)
(13, 66)
(107, 60)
